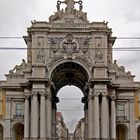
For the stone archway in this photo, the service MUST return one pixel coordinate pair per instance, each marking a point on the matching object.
(1, 132)
(69, 73)
(18, 130)
(121, 132)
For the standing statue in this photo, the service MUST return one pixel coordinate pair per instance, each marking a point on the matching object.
(70, 5)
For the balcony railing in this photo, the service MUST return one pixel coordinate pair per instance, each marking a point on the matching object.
(121, 118)
(18, 117)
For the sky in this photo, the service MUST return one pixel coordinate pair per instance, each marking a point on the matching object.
(122, 16)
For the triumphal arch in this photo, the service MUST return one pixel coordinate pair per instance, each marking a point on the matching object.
(69, 50)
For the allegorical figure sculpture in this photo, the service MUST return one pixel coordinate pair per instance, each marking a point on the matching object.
(70, 5)
(69, 10)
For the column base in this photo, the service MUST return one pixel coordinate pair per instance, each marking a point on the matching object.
(92, 139)
(106, 139)
(7, 138)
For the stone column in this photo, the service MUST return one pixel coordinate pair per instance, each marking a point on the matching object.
(86, 121)
(104, 117)
(49, 114)
(96, 123)
(54, 121)
(132, 121)
(7, 131)
(90, 115)
(34, 116)
(42, 116)
(113, 118)
(26, 117)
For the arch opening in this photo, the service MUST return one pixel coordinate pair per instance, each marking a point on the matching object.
(70, 106)
(138, 133)
(1, 132)
(121, 132)
(69, 81)
(18, 131)
(69, 73)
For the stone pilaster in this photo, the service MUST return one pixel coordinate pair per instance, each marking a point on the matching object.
(86, 121)
(7, 131)
(132, 120)
(96, 124)
(26, 116)
(42, 115)
(90, 114)
(104, 117)
(48, 113)
(34, 116)
(113, 118)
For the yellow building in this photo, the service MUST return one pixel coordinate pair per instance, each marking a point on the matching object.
(137, 105)
(137, 111)
(2, 103)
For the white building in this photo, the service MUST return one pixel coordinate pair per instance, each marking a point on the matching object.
(61, 129)
(69, 50)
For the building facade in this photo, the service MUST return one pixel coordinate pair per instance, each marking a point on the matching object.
(69, 50)
(61, 129)
(79, 133)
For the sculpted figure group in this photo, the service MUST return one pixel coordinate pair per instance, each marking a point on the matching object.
(60, 14)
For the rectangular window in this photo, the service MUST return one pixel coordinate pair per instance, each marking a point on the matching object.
(120, 110)
(138, 108)
(19, 109)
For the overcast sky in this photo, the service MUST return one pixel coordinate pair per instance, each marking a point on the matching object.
(123, 17)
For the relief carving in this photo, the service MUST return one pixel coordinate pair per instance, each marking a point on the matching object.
(99, 54)
(85, 44)
(40, 55)
(69, 47)
(84, 60)
(55, 59)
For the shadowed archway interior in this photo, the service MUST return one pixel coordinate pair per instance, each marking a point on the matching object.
(69, 73)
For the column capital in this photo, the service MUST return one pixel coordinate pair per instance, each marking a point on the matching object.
(34, 93)
(49, 97)
(131, 100)
(96, 94)
(42, 93)
(113, 97)
(90, 97)
(104, 94)
(27, 96)
(8, 99)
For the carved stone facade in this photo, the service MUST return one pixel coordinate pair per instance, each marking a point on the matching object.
(70, 50)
